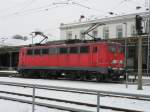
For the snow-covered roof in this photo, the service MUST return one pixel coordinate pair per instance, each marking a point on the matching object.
(104, 20)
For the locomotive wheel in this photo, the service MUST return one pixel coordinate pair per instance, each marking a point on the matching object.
(88, 76)
(80, 76)
(100, 77)
(83, 77)
(22, 75)
(52, 75)
(74, 76)
(44, 75)
(25, 74)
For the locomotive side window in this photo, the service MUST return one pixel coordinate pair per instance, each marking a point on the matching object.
(30, 52)
(45, 51)
(95, 49)
(37, 51)
(52, 50)
(84, 49)
(74, 50)
(63, 50)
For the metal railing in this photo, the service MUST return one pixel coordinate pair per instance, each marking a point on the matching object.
(65, 89)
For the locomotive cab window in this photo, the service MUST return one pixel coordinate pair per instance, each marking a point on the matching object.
(37, 51)
(30, 52)
(84, 49)
(74, 50)
(52, 50)
(63, 50)
(112, 48)
(45, 51)
(120, 49)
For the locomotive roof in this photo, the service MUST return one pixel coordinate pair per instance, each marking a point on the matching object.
(72, 44)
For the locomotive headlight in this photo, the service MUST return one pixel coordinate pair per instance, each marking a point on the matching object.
(114, 61)
(121, 62)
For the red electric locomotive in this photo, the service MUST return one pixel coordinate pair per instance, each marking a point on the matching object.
(100, 60)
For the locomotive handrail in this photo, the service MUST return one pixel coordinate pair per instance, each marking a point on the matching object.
(69, 89)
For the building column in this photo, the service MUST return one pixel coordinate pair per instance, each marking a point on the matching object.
(10, 61)
(139, 63)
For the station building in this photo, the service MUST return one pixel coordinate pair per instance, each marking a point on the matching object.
(116, 29)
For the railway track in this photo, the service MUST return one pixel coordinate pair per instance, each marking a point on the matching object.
(17, 75)
(121, 81)
(67, 101)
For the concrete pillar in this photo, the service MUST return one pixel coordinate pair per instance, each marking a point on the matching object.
(140, 63)
(10, 61)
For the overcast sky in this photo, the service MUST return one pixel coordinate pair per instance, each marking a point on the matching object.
(25, 16)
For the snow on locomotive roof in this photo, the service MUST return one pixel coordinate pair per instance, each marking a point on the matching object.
(75, 44)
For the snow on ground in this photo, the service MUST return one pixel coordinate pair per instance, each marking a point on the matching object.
(80, 84)
(110, 101)
(11, 106)
(6, 71)
(23, 107)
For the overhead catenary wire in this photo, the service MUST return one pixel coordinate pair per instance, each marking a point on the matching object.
(18, 6)
(46, 30)
(30, 11)
(112, 10)
(55, 5)
(28, 4)
(47, 7)
(40, 9)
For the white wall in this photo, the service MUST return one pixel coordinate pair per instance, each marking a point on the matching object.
(112, 29)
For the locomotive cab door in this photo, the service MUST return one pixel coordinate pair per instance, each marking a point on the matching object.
(21, 58)
(95, 54)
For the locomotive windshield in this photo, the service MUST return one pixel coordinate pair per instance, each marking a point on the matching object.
(112, 48)
(115, 48)
(120, 49)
